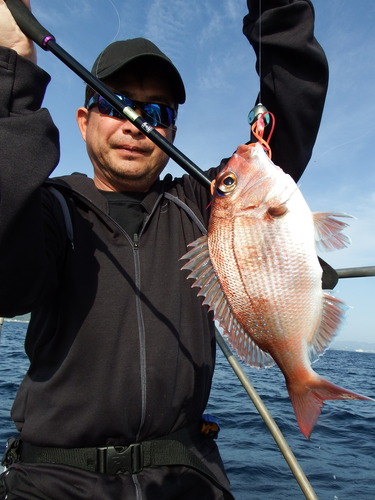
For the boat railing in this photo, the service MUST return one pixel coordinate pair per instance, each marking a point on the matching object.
(356, 272)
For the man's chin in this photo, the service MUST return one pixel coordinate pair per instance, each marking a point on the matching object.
(133, 181)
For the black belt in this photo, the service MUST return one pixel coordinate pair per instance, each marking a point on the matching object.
(105, 459)
(115, 459)
(171, 450)
(118, 459)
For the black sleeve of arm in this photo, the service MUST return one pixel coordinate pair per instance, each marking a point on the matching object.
(294, 76)
(29, 153)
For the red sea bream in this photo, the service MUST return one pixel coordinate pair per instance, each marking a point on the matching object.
(258, 270)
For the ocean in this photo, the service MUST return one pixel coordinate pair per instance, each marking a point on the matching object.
(338, 460)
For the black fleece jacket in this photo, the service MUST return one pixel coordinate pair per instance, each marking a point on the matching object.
(120, 346)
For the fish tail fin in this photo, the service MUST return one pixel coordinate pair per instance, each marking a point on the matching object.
(308, 400)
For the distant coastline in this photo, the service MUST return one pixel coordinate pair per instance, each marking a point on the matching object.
(348, 345)
(337, 345)
(25, 318)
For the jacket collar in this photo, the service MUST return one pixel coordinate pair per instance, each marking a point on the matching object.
(84, 186)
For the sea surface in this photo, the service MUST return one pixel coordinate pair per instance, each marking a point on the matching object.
(338, 460)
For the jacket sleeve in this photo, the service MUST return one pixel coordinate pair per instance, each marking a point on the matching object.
(293, 74)
(29, 153)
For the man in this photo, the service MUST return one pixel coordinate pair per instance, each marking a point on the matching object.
(121, 350)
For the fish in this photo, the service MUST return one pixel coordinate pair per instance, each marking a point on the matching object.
(258, 271)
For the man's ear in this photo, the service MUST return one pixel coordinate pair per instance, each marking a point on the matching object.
(82, 116)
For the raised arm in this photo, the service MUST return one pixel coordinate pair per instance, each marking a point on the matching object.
(294, 76)
(29, 153)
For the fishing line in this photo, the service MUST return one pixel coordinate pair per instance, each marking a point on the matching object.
(258, 115)
(260, 51)
(118, 28)
(118, 20)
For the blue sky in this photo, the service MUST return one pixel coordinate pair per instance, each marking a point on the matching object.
(205, 41)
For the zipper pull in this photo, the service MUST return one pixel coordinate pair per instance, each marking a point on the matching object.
(136, 240)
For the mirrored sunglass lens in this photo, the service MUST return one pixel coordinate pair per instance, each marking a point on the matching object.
(104, 107)
(158, 115)
(152, 113)
(107, 109)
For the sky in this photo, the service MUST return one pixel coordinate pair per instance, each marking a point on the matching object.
(205, 41)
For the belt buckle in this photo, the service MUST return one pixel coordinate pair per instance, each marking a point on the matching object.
(120, 459)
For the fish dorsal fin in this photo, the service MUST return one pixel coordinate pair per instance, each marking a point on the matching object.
(202, 271)
(332, 316)
(328, 231)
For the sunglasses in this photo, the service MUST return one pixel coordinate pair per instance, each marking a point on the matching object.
(157, 115)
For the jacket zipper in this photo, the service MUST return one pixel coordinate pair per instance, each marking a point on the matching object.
(141, 328)
(141, 331)
(136, 240)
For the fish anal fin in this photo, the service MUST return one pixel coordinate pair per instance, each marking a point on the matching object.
(308, 401)
(249, 351)
(207, 281)
(328, 230)
(333, 312)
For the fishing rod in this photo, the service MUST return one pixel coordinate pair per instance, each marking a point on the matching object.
(31, 27)
(274, 429)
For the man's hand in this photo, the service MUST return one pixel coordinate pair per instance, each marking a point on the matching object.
(12, 37)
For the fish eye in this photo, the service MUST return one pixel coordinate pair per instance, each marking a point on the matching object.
(226, 183)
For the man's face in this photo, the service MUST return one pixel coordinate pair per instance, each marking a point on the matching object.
(123, 158)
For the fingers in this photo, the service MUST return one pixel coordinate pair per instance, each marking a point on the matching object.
(11, 36)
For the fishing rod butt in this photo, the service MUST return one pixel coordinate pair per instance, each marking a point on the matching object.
(28, 24)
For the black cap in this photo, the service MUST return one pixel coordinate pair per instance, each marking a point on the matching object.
(119, 54)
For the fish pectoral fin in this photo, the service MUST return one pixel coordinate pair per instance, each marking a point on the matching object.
(333, 312)
(328, 231)
(202, 271)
